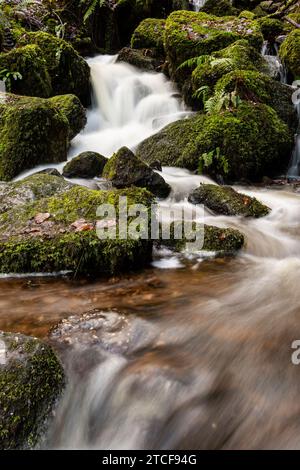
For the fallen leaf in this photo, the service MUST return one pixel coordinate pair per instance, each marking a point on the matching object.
(82, 225)
(42, 217)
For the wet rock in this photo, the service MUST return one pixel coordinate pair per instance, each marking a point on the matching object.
(32, 188)
(69, 72)
(85, 165)
(226, 201)
(110, 331)
(156, 165)
(137, 58)
(71, 238)
(250, 141)
(203, 239)
(124, 169)
(31, 379)
(49, 171)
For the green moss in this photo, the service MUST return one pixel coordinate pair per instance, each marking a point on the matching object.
(222, 241)
(124, 169)
(71, 107)
(190, 34)
(149, 34)
(167, 146)
(249, 15)
(30, 382)
(225, 200)
(219, 8)
(59, 247)
(252, 138)
(289, 53)
(30, 63)
(69, 72)
(270, 28)
(237, 56)
(85, 165)
(29, 189)
(32, 131)
(259, 88)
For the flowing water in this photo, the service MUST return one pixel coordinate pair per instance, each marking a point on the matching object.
(197, 4)
(190, 353)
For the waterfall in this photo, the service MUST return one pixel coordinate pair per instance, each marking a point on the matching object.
(197, 4)
(128, 106)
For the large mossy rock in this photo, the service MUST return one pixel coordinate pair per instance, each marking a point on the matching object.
(28, 61)
(289, 53)
(258, 87)
(73, 110)
(189, 34)
(149, 35)
(225, 200)
(31, 189)
(59, 233)
(124, 169)
(32, 131)
(85, 165)
(70, 74)
(248, 142)
(31, 379)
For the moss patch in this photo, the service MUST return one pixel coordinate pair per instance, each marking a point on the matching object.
(32, 131)
(226, 201)
(56, 244)
(30, 382)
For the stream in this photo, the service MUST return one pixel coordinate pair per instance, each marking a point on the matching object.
(191, 353)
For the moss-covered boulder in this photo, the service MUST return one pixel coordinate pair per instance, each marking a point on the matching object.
(168, 145)
(31, 189)
(258, 87)
(226, 201)
(32, 131)
(219, 8)
(61, 233)
(270, 28)
(143, 59)
(85, 165)
(190, 34)
(222, 241)
(29, 63)
(124, 169)
(249, 142)
(289, 53)
(149, 35)
(71, 107)
(31, 379)
(70, 74)
(237, 56)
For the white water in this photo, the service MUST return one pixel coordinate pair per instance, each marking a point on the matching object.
(197, 4)
(128, 106)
